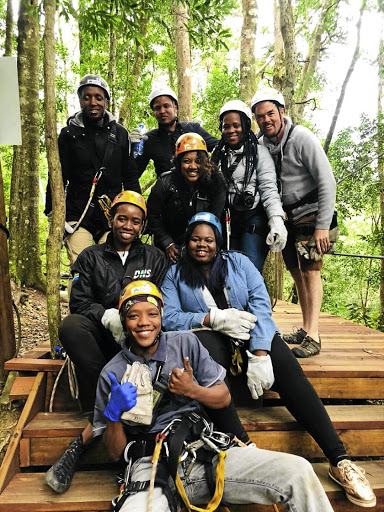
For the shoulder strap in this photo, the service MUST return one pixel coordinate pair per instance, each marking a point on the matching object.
(111, 143)
(279, 156)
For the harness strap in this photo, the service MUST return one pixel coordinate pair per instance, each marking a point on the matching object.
(217, 497)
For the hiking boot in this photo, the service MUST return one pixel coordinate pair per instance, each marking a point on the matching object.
(59, 476)
(353, 480)
(295, 337)
(308, 347)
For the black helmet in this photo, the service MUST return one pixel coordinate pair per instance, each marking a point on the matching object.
(94, 80)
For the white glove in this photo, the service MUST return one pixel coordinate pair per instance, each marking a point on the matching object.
(277, 236)
(232, 322)
(111, 321)
(139, 375)
(259, 374)
(135, 135)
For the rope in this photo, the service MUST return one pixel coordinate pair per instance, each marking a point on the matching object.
(155, 460)
(18, 343)
(218, 495)
(72, 379)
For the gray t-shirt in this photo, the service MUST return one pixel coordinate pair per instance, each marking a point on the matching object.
(173, 347)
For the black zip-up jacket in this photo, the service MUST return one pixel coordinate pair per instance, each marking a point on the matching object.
(82, 148)
(99, 275)
(159, 146)
(172, 203)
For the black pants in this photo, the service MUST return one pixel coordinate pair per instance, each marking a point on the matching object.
(295, 390)
(90, 347)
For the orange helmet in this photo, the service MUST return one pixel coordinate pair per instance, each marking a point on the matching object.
(190, 142)
(131, 197)
(134, 289)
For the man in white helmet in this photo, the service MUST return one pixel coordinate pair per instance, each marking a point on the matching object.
(96, 162)
(308, 192)
(159, 144)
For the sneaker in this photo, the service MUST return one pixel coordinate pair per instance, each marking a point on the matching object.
(353, 480)
(295, 337)
(308, 347)
(59, 476)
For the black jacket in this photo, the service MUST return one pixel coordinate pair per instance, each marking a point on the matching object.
(82, 151)
(99, 275)
(172, 203)
(160, 146)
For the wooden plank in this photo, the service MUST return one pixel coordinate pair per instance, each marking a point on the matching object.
(25, 453)
(45, 452)
(343, 388)
(38, 365)
(21, 388)
(55, 424)
(89, 491)
(35, 402)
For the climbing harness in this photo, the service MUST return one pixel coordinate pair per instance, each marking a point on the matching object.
(179, 440)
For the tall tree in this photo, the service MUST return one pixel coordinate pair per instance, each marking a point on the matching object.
(183, 62)
(351, 67)
(56, 227)
(247, 50)
(288, 34)
(8, 30)
(24, 206)
(380, 159)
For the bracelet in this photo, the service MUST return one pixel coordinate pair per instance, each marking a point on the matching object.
(170, 245)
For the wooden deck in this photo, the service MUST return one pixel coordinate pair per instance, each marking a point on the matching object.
(348, 371)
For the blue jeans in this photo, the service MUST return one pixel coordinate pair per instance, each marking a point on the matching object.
(252, 475)
(253, 244)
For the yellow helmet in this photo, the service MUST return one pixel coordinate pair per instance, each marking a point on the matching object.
(131, 197)
(190, 142)
(139, 287)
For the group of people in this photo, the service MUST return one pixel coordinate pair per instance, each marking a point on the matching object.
(158, 332)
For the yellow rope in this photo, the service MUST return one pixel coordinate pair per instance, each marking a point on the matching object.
(218, 495)
(155, 460)
(237, 361)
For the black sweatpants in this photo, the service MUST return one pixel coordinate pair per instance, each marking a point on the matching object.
(295, 390)
(90, 347)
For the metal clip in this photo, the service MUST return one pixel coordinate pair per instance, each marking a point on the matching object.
(209, 443)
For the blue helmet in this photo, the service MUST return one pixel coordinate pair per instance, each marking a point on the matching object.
(207, 217)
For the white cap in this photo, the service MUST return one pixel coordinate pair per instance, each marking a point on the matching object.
(236, 106)
(161, 91)
(267, 94)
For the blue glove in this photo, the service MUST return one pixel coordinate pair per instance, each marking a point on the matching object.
(122, 398)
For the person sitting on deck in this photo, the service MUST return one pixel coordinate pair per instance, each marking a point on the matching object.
(223, 296)
(92, 334)
(177, 369)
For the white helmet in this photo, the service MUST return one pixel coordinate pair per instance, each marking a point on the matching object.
(161, 91)
(267, 94)
(236, 106)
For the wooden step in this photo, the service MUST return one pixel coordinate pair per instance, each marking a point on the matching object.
(21, 388)
(274, 428)
(37, 365)
(93, 491)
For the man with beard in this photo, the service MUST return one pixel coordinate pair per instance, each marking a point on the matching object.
(96, 163)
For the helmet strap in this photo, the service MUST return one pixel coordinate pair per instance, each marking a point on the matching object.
(171, 123)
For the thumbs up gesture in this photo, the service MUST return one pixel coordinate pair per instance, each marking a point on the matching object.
(181, 379)
(122, 398)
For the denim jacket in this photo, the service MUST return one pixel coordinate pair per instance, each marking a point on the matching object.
(185, 307)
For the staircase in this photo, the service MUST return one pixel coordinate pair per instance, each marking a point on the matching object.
(348, 372)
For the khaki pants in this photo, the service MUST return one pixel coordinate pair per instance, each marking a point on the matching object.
(76, 243)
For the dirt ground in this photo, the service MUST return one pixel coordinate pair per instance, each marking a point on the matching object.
(31, 305)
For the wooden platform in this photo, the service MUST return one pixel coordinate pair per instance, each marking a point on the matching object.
(349, 369)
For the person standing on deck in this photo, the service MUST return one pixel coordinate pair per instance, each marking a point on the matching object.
(92, 334)
(308, 191)
(159, 144)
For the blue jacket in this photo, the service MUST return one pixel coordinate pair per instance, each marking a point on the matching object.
(185, 307)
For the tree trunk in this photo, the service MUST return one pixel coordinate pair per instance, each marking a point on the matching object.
(339, 104)
(56, 227)
(279, 67)
(183, 62)
(24, 209)
(288, 35)
(273, 274)
(8, 30)
(134, 76)
(7, 332)
(380, 170)
(247, 50)
(112, 61)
